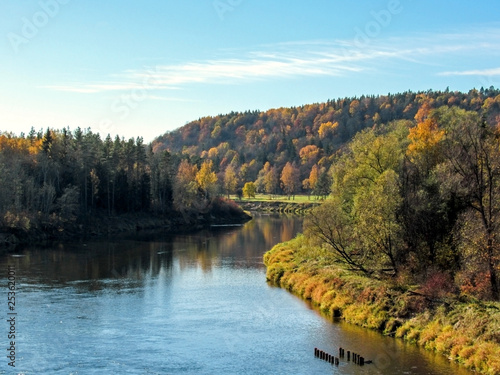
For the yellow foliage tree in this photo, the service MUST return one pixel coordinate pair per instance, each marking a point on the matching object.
(230, 180)
(424, 142)
(213, 153)
(249, 190)
(327, 128)
(206, 178)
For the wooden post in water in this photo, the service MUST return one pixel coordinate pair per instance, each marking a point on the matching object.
(336, 361)
(361, 361)
(348, 355)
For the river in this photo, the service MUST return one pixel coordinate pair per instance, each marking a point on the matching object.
(181, 304)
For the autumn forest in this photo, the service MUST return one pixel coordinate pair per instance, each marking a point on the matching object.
(410, 181)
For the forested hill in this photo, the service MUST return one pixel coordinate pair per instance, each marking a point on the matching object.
(307, 136)
(58, 179)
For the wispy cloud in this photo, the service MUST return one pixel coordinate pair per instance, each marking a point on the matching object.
(225, 71)
(476, 72)
(300, 59)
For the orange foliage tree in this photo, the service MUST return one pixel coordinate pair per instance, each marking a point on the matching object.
(290, 179)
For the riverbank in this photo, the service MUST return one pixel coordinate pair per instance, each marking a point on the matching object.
(101, 224)
(463, 330)
(277, 206)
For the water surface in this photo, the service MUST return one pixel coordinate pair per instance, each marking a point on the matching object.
(185, 304)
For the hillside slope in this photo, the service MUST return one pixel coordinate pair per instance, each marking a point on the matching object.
(309, 135)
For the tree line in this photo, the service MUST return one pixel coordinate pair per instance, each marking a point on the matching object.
(54, 179)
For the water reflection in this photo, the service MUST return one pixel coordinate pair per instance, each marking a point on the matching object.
(184, 304)
(149, 254)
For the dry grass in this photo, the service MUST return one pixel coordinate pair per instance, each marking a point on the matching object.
(466, 332)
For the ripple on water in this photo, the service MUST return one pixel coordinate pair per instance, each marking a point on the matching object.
(187, 305)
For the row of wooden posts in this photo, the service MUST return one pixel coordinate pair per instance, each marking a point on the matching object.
(356, 358)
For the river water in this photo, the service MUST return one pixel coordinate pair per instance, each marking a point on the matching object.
(184, 304)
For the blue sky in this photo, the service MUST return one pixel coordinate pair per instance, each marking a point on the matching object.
(141, 68)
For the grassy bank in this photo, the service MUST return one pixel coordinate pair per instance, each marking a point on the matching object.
(463, 330)
(298, 198)
(278, 203)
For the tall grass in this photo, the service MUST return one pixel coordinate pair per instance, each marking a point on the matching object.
(467, 332)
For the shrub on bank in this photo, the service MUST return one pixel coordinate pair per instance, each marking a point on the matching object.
(465, 331)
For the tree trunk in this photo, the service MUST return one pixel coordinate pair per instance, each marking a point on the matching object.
(493, 272)
(109, 198)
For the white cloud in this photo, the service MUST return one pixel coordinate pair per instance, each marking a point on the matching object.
(217, 72)
(302, 59)
(476, 72)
